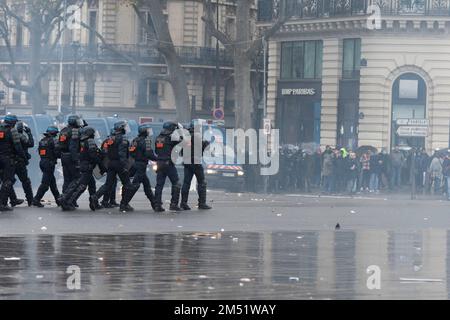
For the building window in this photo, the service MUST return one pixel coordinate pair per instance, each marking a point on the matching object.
(301, 60)
(144, 36)
(352, 58)
(148, 95)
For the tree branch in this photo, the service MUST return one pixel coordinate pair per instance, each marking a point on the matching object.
(257, 44)
(211, 27)
(9, 12)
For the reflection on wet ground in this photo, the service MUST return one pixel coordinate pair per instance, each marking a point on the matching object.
(279, 265)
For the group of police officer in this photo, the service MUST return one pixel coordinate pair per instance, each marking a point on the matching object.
(80, 156)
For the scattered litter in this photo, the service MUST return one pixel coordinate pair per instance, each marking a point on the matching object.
(202, 276)
(352, 211)
(241, 284)
(239, 194)
(300, 237)
(279, 215)
(100, 258)
(179, 226)
(211, 288)
(294, 279)
(417, 268)
(44, 228)
(12, 259)
(39, 276)
(222, 230)
(245, 280)
(235, 239)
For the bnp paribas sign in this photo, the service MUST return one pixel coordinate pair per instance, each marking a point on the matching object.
(298, 92)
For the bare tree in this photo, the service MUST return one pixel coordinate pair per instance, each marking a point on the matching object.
(161, 40)
(42, 19)
(244, 49)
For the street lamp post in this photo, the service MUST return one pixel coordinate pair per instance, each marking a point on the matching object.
(75, 46)
(217, 59)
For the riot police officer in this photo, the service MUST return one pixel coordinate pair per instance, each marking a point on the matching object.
(109, 196)
(27, 141)
(69, 144)
(10, 148)
(117, 152)
(195, 167)
(141, 150)
(166, 168)
(49, 153)
(90, 156)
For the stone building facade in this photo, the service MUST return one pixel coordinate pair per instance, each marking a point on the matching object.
(379, 75)
(106, 83)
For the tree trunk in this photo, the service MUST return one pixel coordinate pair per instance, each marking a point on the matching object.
(176, 73)
(35, 70)
(243, 92)
(179, 88)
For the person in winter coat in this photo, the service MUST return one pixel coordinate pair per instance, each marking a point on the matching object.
(436, 172)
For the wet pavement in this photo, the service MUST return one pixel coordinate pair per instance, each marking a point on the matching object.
(248, 247)
(227, 265)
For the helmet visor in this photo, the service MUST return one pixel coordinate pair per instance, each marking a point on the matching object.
(80, 122)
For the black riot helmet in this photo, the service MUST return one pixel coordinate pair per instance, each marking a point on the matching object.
(170, 126)
(75, 121)
(145, 129)
(122, 127)
(11, 119)
(51, 131)
(87, 132)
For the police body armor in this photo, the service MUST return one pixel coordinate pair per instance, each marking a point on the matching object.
(88, 148)
(8, 138)
(141, 149)
(47, 149)
(163, 147)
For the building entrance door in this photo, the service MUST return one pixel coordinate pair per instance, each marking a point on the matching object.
(409, 125)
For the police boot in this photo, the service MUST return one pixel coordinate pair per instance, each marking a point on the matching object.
(5, 208)
(175, 198)
(28, 191)
(39, 194)
(13, 198)
(93, 202)
(113, 204)
(184, 199)
(106, 205)
(125, 207)
(159, 208)
(151, 198)
(202, 198)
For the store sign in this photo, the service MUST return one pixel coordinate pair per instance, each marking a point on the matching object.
(413, 122)
(298, 92)
(412, 131)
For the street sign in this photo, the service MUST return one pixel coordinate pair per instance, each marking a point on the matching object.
(413, 122)
(145, 119)
(218, 114)
(267, 126)
(412, 131)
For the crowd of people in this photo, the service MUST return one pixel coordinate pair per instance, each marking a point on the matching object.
(366, 170)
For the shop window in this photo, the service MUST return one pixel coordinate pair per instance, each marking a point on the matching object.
(301, 60)
(352, 58)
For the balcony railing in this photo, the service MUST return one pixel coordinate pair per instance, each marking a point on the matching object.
(143, 54)
(270, 9)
